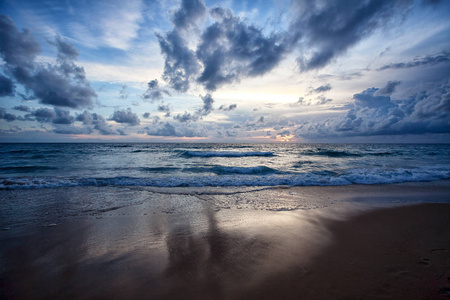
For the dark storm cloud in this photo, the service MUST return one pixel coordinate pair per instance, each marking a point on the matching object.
(208, 102)
(429, 60)
(66, 52)
(188, 13)
(63, 117)
(46, 115)
(180, 64)
(146, 115)
(22, 108)
(369, 98)
(63, 84)
(426, 111)
(97, 120)
(164, 130)
(6, 86)
(389, 88)
(231, 49)
(331, 27)
(169, 130)
(7, 116)
(228, 108)
(125, 116)
(18, 49)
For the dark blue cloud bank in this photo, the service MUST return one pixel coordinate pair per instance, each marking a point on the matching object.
(373, 112)
(205, 49)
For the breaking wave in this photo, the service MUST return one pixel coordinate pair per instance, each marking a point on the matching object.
(240, 177)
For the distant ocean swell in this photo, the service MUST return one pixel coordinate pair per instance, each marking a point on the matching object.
(224, 154)
(319, 152)
(218, 170)
(239, 177)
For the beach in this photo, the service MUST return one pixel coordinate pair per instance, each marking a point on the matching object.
(336, 242)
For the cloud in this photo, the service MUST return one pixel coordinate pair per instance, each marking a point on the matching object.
(100, 24)
(169, 130)
(97, 120)
(229, 48)
(146, 115)
(427, 110)
(154, 91)
(329, 28)
(63, 84)
(389, 88)
(125, 116)
(321, 100)
(228, 108)
(302, 101)
(180, 62)
(186, 117)
(205, 110)
(429, 60)
(22, 108)
(188, 13)
(6, 86)
(123, 94)
(7, 116)
(165, 108)
(65, 129)
(63, 117)
(321, 89)
(120, 24)
(47, 115)
(208, 102)
(284, 133)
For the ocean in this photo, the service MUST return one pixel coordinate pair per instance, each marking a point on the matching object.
(37, 166)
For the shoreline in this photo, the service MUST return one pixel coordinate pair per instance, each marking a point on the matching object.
(359, 242)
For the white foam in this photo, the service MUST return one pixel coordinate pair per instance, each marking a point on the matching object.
(240, 178)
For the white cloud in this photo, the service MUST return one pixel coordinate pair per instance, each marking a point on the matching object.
(112, 24)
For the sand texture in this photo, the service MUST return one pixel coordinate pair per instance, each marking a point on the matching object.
(185, 246)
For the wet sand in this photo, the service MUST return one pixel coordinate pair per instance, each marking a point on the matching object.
(187, 246)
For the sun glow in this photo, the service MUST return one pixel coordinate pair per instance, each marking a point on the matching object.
(287, 138)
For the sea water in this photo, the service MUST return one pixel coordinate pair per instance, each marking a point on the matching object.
(47, 184)
(32, 166)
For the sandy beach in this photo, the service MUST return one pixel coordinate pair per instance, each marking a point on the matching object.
(350, 242)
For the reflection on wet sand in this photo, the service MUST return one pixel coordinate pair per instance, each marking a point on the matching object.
(138, 252)
(171, 246)
(210, 263)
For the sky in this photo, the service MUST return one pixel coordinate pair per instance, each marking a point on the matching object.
(225, 71)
